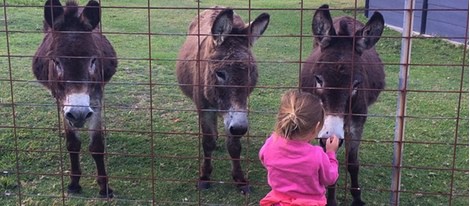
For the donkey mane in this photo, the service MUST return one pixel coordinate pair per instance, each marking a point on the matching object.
(69, 20)
(71, 8)
(236, 36)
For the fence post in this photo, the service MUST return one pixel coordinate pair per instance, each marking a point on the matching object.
(424, 17)
(405, 60)
(366, 9)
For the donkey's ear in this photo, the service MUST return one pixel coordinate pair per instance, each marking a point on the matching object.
(222, 26)
(91, 14)
(52, 11)
(368, 36)
(257, 27)
(322, 26)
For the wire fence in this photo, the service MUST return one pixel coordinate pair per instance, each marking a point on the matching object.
(153, 139)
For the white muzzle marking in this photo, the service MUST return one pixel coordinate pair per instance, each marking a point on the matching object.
(333, 125)
(77, 100)
(235, 118)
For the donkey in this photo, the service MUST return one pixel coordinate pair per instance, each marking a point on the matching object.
(346, 72)
(217, 70)
(74, 62)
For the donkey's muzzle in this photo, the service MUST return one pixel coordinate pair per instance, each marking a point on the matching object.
(77, 116)
(236, 123)
(238, 130)
(333, 125)
(323, 142)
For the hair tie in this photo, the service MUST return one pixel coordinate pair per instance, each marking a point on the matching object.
(293, 121)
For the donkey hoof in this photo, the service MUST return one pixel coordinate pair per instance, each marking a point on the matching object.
(331, 203)
(358, 203)
(107, 194)
(203, 185)
(74, 189)
(245, 189)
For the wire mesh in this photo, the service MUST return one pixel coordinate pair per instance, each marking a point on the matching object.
(153, 151)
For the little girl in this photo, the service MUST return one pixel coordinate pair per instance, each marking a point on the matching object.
(298, 172)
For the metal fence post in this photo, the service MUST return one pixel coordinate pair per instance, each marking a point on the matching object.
(405, 60)
(424, 17)
(366, 9)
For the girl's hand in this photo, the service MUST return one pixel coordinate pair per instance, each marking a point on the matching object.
(332, 144)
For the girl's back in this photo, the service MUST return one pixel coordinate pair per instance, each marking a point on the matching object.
(294, 167)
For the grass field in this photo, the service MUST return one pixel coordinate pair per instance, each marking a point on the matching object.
(153, 153)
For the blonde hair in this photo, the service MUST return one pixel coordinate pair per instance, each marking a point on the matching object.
(299, 114)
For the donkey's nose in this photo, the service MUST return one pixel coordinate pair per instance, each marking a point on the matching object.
(238, 130)
(236, 123)
(78, 116)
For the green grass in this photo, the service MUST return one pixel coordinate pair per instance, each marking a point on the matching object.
(153, 155)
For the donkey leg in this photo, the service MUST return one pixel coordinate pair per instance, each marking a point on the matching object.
(96, 149)
(73, 146)
(234, 148)
(331, 189)
(353, 161)
(353, 169)
(331, 196)
(208, 121)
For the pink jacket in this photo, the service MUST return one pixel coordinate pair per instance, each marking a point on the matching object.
(298, 169)
(274, 198)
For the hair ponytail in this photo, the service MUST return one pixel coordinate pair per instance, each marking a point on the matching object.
(298, 115)
(287, 124)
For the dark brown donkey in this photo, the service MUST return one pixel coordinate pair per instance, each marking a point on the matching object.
(346, 72)
(74, 62)
(217, 70)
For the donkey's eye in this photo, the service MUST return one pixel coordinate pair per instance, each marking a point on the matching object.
(58, 67)
(356, 83)
(92, 65)
(221, 75)
(319, 81)
(56, 62)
